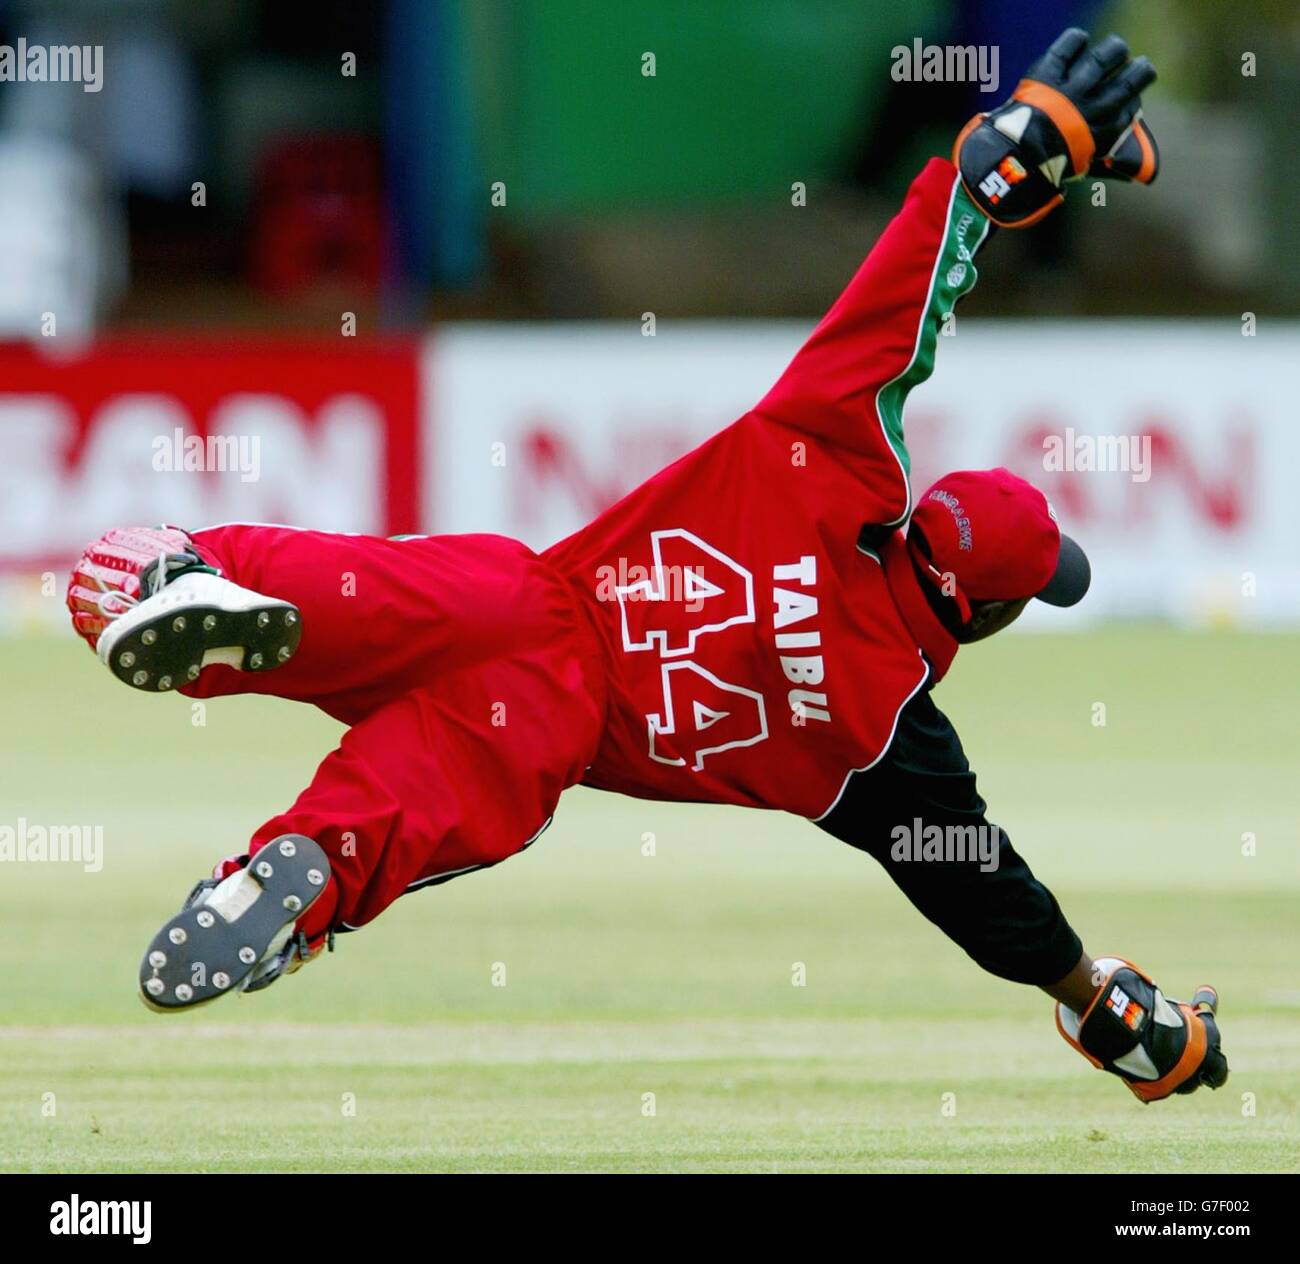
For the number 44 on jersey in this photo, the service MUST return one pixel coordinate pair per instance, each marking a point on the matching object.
(693, 590)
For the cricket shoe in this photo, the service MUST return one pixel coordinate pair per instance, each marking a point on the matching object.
(196, 619)
(236, 934)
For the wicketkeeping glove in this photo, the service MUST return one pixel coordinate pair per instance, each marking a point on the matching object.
(1077, 112)
(125, 565)
(1157, 1047)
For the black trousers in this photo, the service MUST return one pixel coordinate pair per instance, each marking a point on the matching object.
(995, 909)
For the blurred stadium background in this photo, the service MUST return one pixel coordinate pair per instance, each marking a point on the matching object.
(484, 266)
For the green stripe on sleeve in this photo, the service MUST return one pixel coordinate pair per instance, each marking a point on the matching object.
(954, 275)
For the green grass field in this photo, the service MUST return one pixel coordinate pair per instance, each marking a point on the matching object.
(670, 974)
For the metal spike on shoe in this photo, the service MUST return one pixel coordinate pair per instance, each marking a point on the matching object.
(232, 938)
(196, 620)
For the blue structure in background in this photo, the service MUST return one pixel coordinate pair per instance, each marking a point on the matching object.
(437, 205)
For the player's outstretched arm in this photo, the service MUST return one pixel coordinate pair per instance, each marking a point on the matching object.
(1077, 112)
(1109, 1010)
(847, 384)
(918, 812)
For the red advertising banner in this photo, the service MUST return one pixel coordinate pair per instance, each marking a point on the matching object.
(321, 433)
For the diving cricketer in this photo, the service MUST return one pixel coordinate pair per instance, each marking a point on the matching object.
(793, 609)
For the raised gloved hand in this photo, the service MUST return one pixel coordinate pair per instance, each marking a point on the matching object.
(1078, 111)
(1157, 1047)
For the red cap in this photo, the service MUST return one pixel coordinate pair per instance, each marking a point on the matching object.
(996, 536)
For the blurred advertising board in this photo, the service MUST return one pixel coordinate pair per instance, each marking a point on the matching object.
(194, 431)
(1170, 450)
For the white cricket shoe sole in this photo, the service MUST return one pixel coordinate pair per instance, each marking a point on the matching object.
(198, 619)
(229, 939)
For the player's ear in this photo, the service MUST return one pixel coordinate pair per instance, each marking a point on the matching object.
(988, 617)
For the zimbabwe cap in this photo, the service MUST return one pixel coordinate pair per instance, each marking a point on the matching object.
(997, 538)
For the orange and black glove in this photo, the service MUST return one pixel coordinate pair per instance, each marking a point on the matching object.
(1077, 112)
(1157, 1047)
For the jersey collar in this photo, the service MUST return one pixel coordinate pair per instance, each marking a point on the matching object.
(934, 640)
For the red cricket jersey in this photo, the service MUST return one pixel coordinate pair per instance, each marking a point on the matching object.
(757, 654)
